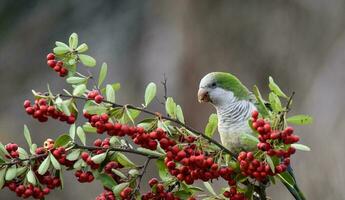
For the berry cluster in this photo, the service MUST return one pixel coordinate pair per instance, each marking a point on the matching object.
(96, 96)
(274, 143)
(145, 139)
(84, 177)
(49, 180)
(56, 65)
(253, 167)
(110, 166)
(158, 192)
(106, 195)
(233, 194)
(60, 155)
(41, 111)
(12, 149)
(189, 164)
(27, 191)
(87, 158)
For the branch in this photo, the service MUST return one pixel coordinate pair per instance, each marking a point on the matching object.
(140, 176)
(19, 160)
(115, 105)
(77, 146)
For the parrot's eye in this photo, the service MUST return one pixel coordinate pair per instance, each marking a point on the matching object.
(213, 85)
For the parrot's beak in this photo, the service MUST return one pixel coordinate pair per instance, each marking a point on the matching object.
(203, 96)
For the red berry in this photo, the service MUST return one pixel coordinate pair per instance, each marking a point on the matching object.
(153, 182)
(99, 99)
(255, 114)
(51, 63)
(50, 56)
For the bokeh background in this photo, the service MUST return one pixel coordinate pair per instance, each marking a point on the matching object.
(301, 43)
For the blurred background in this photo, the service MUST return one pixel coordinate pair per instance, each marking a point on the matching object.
(301, 43)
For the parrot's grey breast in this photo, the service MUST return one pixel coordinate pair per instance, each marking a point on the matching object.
(232, 122)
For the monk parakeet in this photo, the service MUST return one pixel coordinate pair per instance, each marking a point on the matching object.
(234, 104)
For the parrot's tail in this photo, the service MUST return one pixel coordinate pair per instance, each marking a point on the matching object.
(293, 187)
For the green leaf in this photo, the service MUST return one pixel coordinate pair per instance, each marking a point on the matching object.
(261, 105)
(81, 135)
(270, 163)
(150, 152)
(88, 128)
(118, 188)
(72, 131)
(87, 60)
(275, 102)
(249, 141)
(11, 173)
(60, 50)
(99, 158)
(76, 80)
(2, 177)
(123, 160)
(77, 165)
(183, 194)
(73, 40)
(208, 186)
(300, 119)
(106, 180)
(275, 88)
(33, 148)
(55, 163)
(43, 168)
(170, 107)
(287, 178)
(96, 110)
(110, 93)
(179, 113)
(163, 170)
(61, 44)
(73, 155)
(117, 112)
(22, 153)
(301, 147)
(3, 149)
(102, 74)
(133, 172)
(82, 48)
(27, 135)
(120, 174)
(65, 108)
(62, 140)
(79, 90)
(150, 93)
(20, 171)
(116, 87)
(211, 125)
(31, 177)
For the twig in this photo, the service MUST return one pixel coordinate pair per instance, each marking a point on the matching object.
(164, 83)
(140, 177)
(115, 105)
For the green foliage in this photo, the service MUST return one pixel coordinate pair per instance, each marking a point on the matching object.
(62, 140)
(211, 126)
(300, 119)
(275, 88)
(150, 93)
(102, 74)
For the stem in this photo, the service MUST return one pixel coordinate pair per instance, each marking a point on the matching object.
(115, 105)
(140, 177)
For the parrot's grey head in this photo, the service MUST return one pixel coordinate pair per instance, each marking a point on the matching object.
(221, 88)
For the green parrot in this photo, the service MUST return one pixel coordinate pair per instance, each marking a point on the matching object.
(234, 104)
